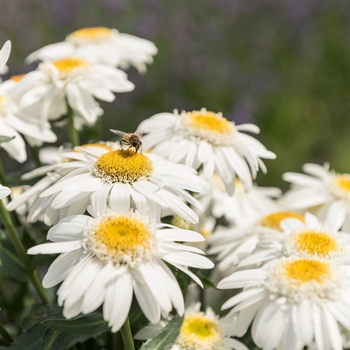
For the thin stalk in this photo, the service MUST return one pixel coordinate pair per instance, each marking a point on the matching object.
(127, 336)
(52, 340)
(73, 132)
(5, 336)
(21, 252)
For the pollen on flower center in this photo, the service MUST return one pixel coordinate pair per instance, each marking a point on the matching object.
(273, 220)
(67, 65)
(209, 121)
(120, 239)
(91, 34)
(316, 243)
(199, 331)
(304, 271)
(17, 78)
(125, 166)
(2, 104)
(343, 182)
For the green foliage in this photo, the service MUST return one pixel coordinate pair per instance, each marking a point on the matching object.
(166, 338)
(5, 139)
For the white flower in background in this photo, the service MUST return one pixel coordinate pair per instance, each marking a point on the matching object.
(321, 191)
(292, 304)
(199, 331)
(4, 191)
(101, 45)
(109, 258)
(206, 139)
(73, 80)
(40, 208)
(309, 239)
(14, 121)
(243, 206)
(5, 53)
(235, 243)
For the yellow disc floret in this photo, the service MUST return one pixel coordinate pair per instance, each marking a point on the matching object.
(304, 271)
(125, 166)
(316, 243)
(91, 34)
(209, 121)
(343, 182)
(68, 65)
(121, 239)
(17, 78)
(200, 332)
(274, 220)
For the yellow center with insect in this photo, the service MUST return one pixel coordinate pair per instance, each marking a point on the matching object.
(274, 220)
(209, 121)
(125, 166)
(17, 78)
(199, 331)
(316, 243)
(91, 34)
(120, 239)
(69, 64)
(307, 270)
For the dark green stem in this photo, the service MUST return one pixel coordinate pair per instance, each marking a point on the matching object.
(73, 132)
(127, 336)
(51, 340)
(5, 336)
(2, 174)
(36, 157)
(20, 250)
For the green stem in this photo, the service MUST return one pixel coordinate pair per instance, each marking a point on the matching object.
(73, 133)
(5, 336)
(20, 250)
(2, 175)
(51, 340)
(127, 336)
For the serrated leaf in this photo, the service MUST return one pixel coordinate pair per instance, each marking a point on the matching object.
(90, 325)
(166, 338)
(4, 139)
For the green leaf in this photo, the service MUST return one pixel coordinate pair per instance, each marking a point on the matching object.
(166, 338)
(90, 325)
(10, 264)
(207, 282)
(31, 340)
(5, 139)
(65, 341)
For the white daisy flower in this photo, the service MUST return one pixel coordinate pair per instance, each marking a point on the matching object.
(321, 191)
(206, 139)
(199, 331)
(14, 121)
(101, 45)
(293, 303)
(106, 259)
(235, 243)
(4, 191)
(40, 208)
(245, 205)
(73, 80)
(122, 179)
(307, 239)
(5, 53)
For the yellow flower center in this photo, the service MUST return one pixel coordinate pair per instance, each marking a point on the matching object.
(209, 121)
(273, 220)
(2, 100)
(315, 242)
(179, 222)
(343, 182)
(199, 331)
(91, 34)
(17, 78)
(304, 271)
(121, 239)
(100, 145)
(68, 65)
(122, 166)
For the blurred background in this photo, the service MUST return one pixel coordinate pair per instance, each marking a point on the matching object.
(281, 64)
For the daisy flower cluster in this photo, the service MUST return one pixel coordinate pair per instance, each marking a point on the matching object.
(149, 228)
